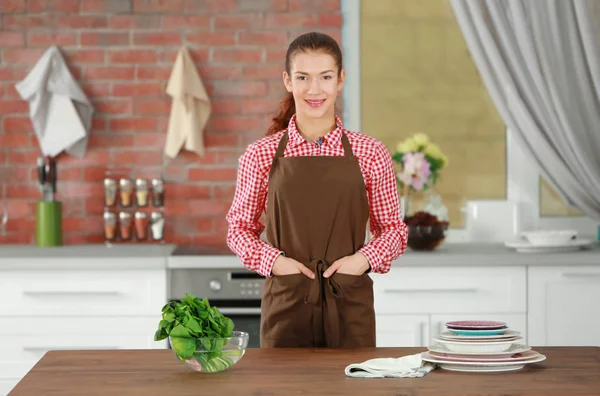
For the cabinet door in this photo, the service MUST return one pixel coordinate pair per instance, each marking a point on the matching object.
(563, 306)
(517, 322)
(402, 330)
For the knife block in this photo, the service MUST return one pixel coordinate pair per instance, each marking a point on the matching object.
(48, 223)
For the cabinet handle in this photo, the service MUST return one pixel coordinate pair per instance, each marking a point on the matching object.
(65, 348)
(581, 274)
(240, 311)
(471, 290)
(38, 293)
(422, 331)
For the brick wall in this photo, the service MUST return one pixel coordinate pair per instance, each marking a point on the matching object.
(122, 52)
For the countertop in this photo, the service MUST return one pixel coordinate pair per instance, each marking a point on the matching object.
(172, 256)
(566, 371)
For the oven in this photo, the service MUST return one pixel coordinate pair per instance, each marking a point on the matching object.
(237, 293)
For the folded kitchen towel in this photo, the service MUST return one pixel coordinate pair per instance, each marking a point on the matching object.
(60, 111)
(190, 108)
(411, 366)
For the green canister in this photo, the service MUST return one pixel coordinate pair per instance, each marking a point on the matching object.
(48, 223)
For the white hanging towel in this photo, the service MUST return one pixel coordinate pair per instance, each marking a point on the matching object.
(59, 110)
(190, 108)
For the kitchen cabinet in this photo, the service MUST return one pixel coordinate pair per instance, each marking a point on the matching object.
(82, 309)
(563, 305)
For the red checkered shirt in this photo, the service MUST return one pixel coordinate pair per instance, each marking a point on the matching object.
(385, 223)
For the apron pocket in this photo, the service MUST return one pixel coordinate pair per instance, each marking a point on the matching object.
(355, 310)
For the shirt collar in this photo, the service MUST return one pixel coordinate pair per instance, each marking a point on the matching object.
(332, 139)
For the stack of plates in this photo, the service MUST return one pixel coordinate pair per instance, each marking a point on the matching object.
(480, 346)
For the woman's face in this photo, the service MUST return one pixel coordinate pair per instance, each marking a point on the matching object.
(315, 83)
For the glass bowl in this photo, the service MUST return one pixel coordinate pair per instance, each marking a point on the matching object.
(213, 355)
(426, 237)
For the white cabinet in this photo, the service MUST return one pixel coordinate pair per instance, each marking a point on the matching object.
(412, 304)
(42, 310)
(564, 306)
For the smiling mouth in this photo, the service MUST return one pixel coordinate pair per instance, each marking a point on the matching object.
(315, 103)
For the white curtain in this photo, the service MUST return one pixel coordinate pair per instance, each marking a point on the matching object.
(540, 62)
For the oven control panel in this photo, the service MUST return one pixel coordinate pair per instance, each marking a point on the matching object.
(216, 283)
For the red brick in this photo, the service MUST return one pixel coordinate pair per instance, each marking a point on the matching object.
(81, 22)
(314, 5)
(182, 223)
(96, 90)
(13, 22)
(221, 139)
(22, 191)
(212, 72)
(212, 174)
(93, 156)
(45, 39)
(94, 205)
(158, 6)
(139, 157)
(53, 6)
(216, 240)
(22, 55)
(12, 107)
(133, 56)
(104, 39)
(134, 21)
(221, 191)
(263, 5)
(207, 208)
(228, 157)
(111, 139)
(152, 107)
(260, 106)
(114, 106)
(6, 73)
(225, 106)
(235, 123)
(197, 54)
(11, 39)
(1, 90)
(133, 124)
(237, 55)
(263, 72)
(17, 208)
(209, 6)
(157, 39)
(109, 72)
(263, 38)
(99, 124)
(25, 224)
(10, 91)
(145, 72)
(189, 191)
(238, 21)
(82, 190)
(83, 56)
(106, 6)
(149, 139)
(277, 55)
(288, 21)
(65, 174)
(331, 20)
(276, 89)
(146, 89)
(197, 22)
(17, 238)
(210, 38)
(22, 156)
(15, 140)
(240, 88)
(12, 6)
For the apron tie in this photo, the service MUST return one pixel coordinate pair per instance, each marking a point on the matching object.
(332, 292)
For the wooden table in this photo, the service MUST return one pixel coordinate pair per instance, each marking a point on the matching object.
(566, 371)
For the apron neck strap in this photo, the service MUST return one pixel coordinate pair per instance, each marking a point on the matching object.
(346, 144)
(282, 143)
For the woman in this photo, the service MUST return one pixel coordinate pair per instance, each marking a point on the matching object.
(317, 185)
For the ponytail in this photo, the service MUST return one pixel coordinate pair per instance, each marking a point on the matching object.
(287, 109)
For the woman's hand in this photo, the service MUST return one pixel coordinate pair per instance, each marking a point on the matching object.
(356, 264)
(287, 266)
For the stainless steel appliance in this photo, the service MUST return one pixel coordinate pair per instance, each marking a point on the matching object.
(234, 290)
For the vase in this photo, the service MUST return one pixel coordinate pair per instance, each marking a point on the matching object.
(427, 227)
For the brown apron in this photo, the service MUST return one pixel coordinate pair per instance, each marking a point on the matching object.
(317, 212)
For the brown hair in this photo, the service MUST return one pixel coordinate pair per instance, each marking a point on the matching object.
(307, 42)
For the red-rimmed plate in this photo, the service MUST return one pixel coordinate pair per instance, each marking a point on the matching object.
(486, 358)
(475, 325)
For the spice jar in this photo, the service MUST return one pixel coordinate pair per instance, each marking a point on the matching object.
(141, 226)
(157, 225)
(110, 192)
(110, 226)
(125, 224)
(126, 192)
(158, 193)
(141, 192)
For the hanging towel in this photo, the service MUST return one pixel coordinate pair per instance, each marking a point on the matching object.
(60, 112)
(190, 108)
(411, 366)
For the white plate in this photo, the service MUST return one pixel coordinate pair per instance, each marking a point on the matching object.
(549, 237)
(469, 369)
(432, 359)
(526, 247)
(515, 348)
(450, 336)
(479, 347)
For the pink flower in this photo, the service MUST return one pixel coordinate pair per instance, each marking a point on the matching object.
(416, 170)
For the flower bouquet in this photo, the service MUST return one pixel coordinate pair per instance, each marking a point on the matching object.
(421, 162)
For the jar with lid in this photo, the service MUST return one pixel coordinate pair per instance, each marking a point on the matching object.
(126, 187)
(125, 225)
(110, 192)
(157, 226)
(158, 193)
(110, 226)
(141, 226)
(141, 192)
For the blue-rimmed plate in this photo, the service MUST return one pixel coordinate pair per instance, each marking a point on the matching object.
(478, 332)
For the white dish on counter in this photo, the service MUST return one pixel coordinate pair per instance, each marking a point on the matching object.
(481, 366)
(508, 335)
(513, 349)
(477, 347)
(549, 237)
(571, 246)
